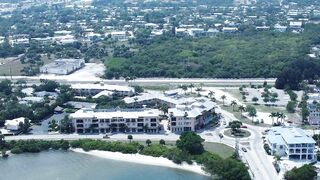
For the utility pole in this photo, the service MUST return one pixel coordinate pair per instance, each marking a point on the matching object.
(237, 148)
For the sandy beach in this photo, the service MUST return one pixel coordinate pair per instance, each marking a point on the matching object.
(141, 159)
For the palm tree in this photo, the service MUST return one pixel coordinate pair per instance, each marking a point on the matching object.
(148, 142)
(162, 142)
(252, 111)
(135, 102)
(211, 94)
(130, 137)
(201, 85)
(233, 103)
(278, 115)
(127, 79)
(191, 86)
(164, 108)
(184, 88)
(133, 78)
(145, 128)
(282, 116)
(241, 108)
(123, 127)
(198, 90)
(273, 115)
(223, 97)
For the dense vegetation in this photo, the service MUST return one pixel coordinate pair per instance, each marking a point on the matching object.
(246, 55)
(10, 94)
(219, 168)
(302, 69)
(306, 172)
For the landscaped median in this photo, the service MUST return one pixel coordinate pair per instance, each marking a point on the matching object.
(188, 154)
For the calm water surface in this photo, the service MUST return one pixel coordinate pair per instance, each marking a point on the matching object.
(58, 165)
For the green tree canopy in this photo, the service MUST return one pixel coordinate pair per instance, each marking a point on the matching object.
(306, 172)
(190, 142)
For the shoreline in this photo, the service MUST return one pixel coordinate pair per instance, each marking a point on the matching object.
(142, 159)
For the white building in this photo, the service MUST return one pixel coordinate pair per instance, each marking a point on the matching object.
(64, 39)
(119, 35)
(185, 114)
(191, 116)
(295, 24)
(291, 142)
(196, 32)
(151, 25)
(280, 28)
(63, 66)
(20, 39)
(116, 120)
(13, 125)
(229, 29)
(94, 89)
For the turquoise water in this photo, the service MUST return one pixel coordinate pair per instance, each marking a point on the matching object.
(58, 165)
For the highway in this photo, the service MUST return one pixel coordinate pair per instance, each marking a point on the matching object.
(142, 81)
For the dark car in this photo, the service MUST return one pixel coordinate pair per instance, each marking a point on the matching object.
(244, 149)
(220, 135)
(106, 137)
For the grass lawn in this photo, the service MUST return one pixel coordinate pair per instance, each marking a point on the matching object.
(243, 119)
(157, 88)
(235, 93)
(16, 66)
(222, 150)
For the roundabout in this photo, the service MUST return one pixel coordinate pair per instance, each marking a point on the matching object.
(240, 133)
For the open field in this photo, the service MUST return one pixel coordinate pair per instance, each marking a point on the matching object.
(222, 150)
(16, 66)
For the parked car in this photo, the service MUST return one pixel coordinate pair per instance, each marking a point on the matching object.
(106, 137)
(244, 149)
(244, 126)
(220, 135)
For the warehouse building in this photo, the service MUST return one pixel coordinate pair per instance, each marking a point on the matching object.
(62, 66)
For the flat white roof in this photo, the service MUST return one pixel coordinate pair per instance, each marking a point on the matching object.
(116, 113)
(103, 87)
(14, 122)
(290, 135)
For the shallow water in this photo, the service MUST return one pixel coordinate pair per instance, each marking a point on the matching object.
(58, 165)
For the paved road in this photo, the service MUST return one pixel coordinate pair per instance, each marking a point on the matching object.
(146, 81)
(256, 157)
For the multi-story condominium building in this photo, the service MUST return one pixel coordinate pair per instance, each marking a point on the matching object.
(192, 116)
(170, 98)
(116, 120)
(185, 113)
(313, 108)
(291, 142)
(93, 89)
(314, 114)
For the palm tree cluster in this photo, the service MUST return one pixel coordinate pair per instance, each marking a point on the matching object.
(233, 104)
(129, 80)
(278, 115)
